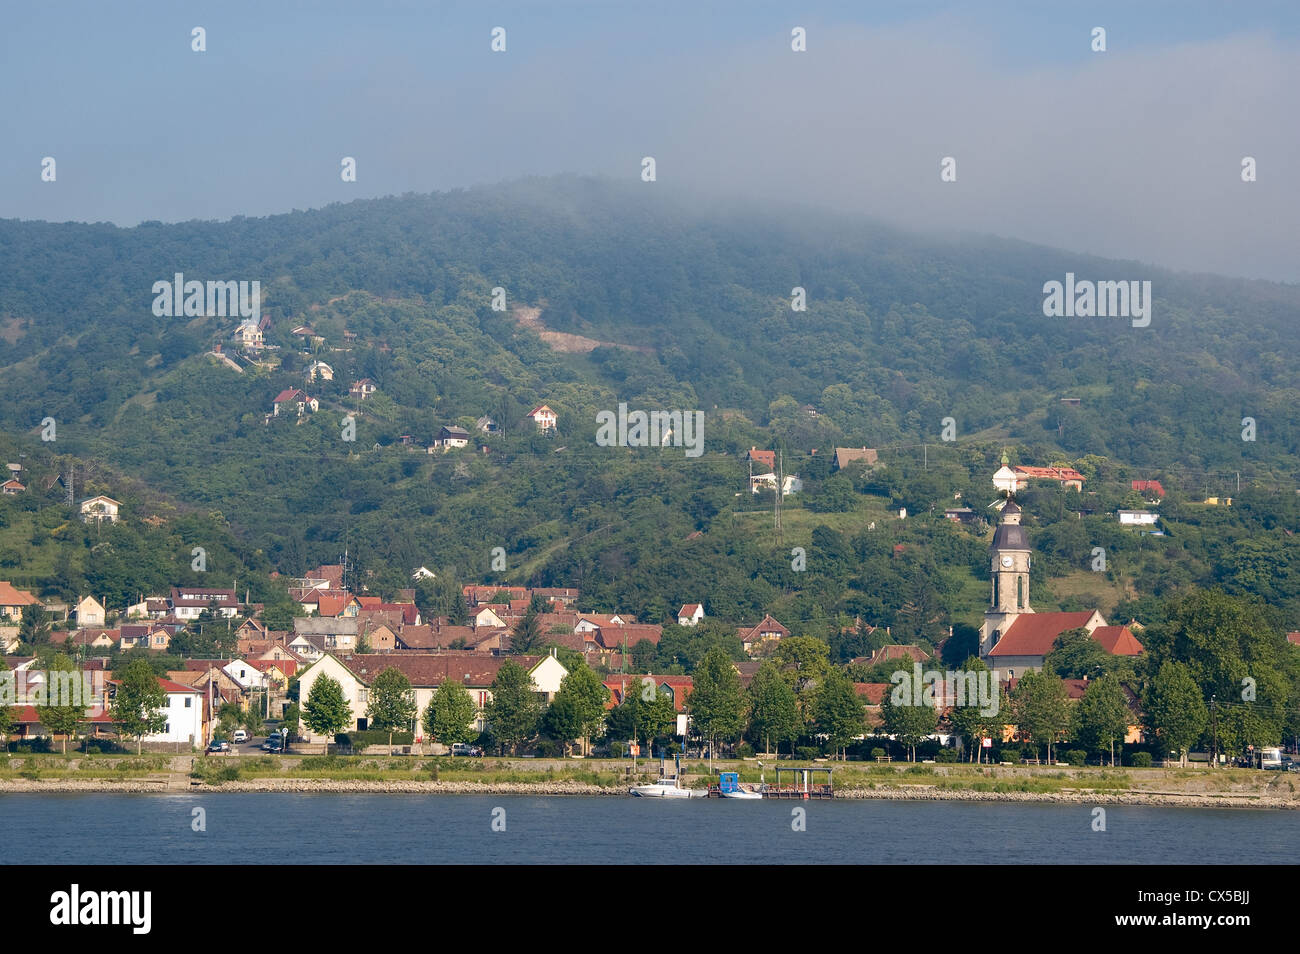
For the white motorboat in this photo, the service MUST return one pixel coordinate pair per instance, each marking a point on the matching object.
(665, 788)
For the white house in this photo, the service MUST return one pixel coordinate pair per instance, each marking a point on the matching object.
(690, 614)
(791, 484)
(292, 399)
(89, 612)
(319, 369)
(247, 336)
(246, 675)
(184, 716)
(1137, 518)
(451, 437)
(544, 418)
(98, 509)
(189, 602)
(426, 672)
(363, 389)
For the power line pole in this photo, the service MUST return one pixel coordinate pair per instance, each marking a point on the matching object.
(780, 488)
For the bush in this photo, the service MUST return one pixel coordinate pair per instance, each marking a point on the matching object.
(1011, 755)
(1075, 756)
(94, 750)
(744, 751)
(807, 752)
(945, 755)
(549, 749)
(1140, 760)
(878, 753)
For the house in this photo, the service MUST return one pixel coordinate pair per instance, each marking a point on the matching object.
(1071, 401)
(1007, 480)
(766, 459)
(862, 456)
(321, 370)
(790, 484)
(449, 437)
(426, 672)
(677, 688)
(1067, 477)
(189, 602)
(89, 638)
(248, 336)
(1149, 487)
(314, 635)
(487, 425)
(184, 712)
(13, 600)
(11, 488)
(1137, 518)
(690, 614)
(363, 389)
(762, 639)
(903, 653)
(1293, 638)
(89, 612)
(962, 515)
(247, 676)
(545, 419)
(144, 636)
(611, 642)
(293, 401)
(487, 617)
(98, 509)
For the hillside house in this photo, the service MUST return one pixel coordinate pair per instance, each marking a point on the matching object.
(292, 401)
(12, 487)
(690, 614)
(862, 457)
(449, 438)
(1149, 487)
(99, 509)
(89, 612)
(762, 639)
(545, 419)
(1137, 518)
(247, 337)
(189, 602)
(13, 601)
(363, 389)
(319, 370)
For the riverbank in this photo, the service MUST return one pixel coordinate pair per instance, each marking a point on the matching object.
(1171, 788)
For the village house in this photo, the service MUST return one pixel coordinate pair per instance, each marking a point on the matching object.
(449, 438)
(1137, 518)
(863, 457)
(426, 672)
(89, 612)
(319, 369)
(690, 614)
(189, 602)
(13, 601)
(545, 419)
(98, 509)
(12, 487)
(248, 337)
(1149, 487)
(293, 401)
(760, 640)
(363, 389)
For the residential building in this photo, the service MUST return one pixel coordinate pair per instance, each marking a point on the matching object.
(545, 419)
(690, 614)
(99, 509)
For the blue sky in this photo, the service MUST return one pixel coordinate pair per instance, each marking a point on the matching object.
(1134, 152)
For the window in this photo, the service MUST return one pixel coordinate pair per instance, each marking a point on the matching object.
(188, 702)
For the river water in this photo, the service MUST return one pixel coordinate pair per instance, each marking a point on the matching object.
(245, 827)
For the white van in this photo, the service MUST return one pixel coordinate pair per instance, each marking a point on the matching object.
(1270, 758)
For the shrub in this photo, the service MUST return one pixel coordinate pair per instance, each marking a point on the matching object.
(945, 755)
(1075, 756)
(744, 751)
(94, 750)
(807, 752)
(878, 753)
(1140, 760)
(373, 737)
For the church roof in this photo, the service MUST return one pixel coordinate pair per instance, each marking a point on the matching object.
(1011, 507)
(1010, 536)
(1033, 634)
(1117, 640)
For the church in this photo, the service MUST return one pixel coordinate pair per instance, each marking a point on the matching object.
(1014, 639)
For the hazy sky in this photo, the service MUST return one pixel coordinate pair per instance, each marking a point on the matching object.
(1133, 153)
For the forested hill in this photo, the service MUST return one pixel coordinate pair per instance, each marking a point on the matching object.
(689, 305)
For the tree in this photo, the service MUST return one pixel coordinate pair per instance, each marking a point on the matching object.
(716, 705)
(514, 711)
(582, 699)
(34, 627)
(1175, 709)
(1076, 655)
(61, 716)
(911, 723)
(450, 713)
(527, 633)
(837, 710)
(1101, 716)
(392, 704)
(140, 706)
(646, 713)
(326, 711)
(1040, 708)
(970, 721)
(773, 708)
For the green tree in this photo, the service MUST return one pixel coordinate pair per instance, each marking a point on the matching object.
(449, 715)
(6, 712)
(527, 634)
(514, 711)
(970, 721)
(645, 714)
(910, 724)
(773, 708)
(716, 705)
(1101, 716)
(582, 696)
(140, 706)
(837, 711)
(63, 717)
(34, 627)
(1040, 707)
(1175, 710)
(392, 703)
(1076, 655)
(326, 710)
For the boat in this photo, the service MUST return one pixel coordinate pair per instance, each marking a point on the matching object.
(729, 787)
(666, 786)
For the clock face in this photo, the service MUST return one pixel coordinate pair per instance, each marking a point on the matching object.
(1006, 561)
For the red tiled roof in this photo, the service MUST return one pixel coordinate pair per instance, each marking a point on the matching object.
(1034, 633)
(873, 692)
(1117, 640)
(288, 394)
(433, 669)
(886, 653)
(614, 636)
(1050, 473)
(1149, 485)
(12, 596)
(765, 457)
(1293, 638)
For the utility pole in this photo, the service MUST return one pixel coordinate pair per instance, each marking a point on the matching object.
(1214, 713)
(780, 489)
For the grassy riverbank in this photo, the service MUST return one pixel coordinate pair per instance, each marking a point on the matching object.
(164, 773)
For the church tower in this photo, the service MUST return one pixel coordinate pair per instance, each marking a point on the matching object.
(1009, 598)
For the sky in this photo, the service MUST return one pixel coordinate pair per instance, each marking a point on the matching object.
(1135, 152)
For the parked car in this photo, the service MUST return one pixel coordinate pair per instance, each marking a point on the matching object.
(274, 744)
(464, 748)
(240, 737)
(218, 745)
